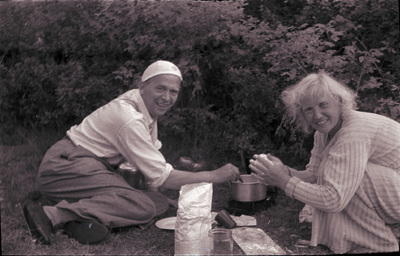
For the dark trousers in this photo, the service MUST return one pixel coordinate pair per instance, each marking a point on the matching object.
(82, 187)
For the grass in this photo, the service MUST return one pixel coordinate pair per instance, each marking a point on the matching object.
(19, 162)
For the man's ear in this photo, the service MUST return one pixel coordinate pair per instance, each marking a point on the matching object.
(141, 85)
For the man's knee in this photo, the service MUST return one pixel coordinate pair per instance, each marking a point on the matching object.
(140, 207)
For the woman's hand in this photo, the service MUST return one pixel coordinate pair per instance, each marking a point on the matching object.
(269, 170)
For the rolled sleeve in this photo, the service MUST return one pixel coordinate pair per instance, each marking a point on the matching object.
(158, 144)
(135, 144)
(156, 183)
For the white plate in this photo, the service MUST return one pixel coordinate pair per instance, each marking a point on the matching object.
(167, 223)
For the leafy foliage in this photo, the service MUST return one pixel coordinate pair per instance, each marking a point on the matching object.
(61, 60)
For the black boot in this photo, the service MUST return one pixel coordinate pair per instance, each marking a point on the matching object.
(87, 232)
(38, 222)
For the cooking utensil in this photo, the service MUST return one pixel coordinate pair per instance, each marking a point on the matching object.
(224, 219)
(132, 175)
(250, 190)
(244, 168)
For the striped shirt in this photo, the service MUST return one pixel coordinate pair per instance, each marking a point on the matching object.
(357, 194)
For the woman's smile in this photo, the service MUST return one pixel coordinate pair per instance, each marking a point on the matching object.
(322, 113)
(321, 123)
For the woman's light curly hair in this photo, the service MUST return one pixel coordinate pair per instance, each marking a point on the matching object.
(316, 85)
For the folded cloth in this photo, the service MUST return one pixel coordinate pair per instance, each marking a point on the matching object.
(38, 222)
(87, 232)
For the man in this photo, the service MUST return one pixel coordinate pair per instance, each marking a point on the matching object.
(77, 173)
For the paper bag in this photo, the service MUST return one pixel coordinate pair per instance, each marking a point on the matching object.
(193, 220)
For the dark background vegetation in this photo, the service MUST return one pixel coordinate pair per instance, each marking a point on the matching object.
(60, 60)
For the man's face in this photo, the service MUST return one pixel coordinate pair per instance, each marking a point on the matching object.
(160, 93)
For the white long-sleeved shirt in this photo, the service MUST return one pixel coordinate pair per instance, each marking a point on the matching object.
(358, 186)
(124, 129)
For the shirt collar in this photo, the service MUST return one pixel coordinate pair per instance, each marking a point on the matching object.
(141, 107)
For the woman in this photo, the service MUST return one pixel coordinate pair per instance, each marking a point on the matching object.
(353, 177)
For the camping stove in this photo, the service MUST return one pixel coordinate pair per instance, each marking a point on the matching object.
(237, 208)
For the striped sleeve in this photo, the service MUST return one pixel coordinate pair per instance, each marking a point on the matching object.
(315, 158)
(343, 170)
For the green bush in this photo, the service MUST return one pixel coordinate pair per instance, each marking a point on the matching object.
(61, 60)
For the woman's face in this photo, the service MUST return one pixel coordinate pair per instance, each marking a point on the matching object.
(322, 113)
(160, 93)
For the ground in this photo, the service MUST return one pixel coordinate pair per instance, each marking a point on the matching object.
(18, 167)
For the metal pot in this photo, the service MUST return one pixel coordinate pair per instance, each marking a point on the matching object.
(132, 175)
(250, 190)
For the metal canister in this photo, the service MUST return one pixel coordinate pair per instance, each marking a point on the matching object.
(132, 175)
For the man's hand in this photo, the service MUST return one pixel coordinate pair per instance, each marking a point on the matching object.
(177, 178)
(228, 172)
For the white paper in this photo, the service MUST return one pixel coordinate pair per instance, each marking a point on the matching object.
(193, 220)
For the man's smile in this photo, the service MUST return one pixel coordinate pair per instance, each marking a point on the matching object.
(163, 105)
